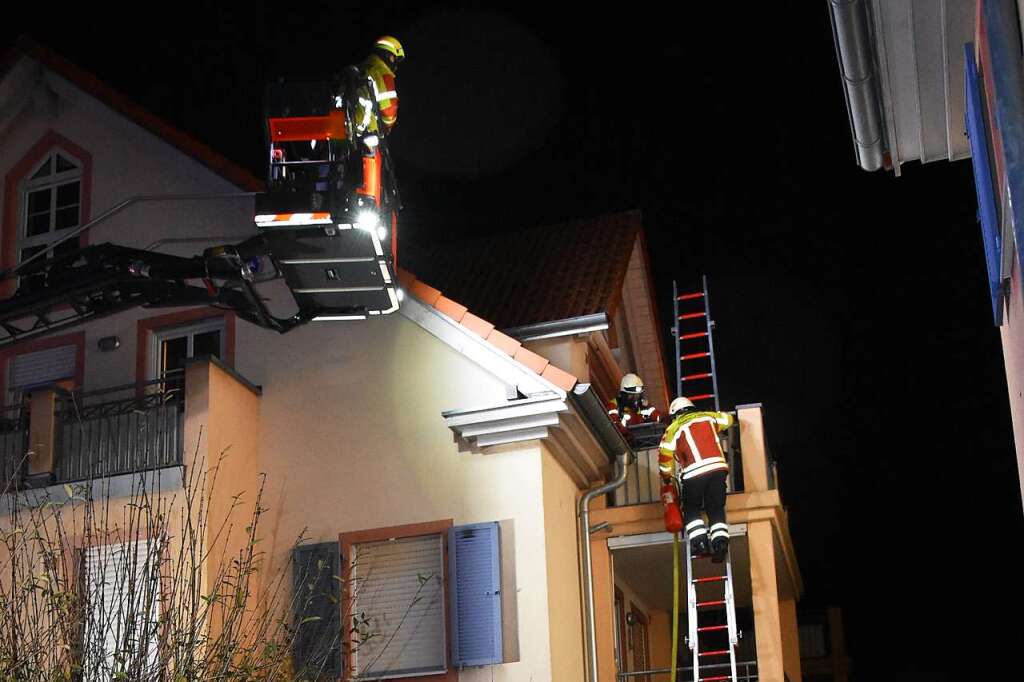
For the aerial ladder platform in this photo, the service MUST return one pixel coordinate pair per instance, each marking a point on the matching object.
(326, 225)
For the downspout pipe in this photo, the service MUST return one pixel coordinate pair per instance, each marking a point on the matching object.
(622, 470)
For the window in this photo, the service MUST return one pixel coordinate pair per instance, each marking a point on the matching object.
(173, 346)
(122, 592)
(41, 362)
(398, 607)
(52, 206)
(414, 591)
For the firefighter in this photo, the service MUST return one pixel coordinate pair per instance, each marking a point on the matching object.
(379, 71)
(691, 451)
(630, 407)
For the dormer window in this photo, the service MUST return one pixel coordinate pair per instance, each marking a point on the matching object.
(52, 206)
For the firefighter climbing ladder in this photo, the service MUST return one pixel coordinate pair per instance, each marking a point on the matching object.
(696, 605)
(693, 330)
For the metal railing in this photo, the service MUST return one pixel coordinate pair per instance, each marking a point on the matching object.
(643, 485)
(746, 671)
(125, 429)
(13, 445)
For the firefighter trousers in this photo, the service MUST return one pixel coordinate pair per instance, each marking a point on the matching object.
(705, 492)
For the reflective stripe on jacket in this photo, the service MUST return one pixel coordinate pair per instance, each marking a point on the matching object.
(691, 442)
(382, 81)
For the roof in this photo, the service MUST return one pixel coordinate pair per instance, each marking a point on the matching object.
(230, 171)
(460, 315)
(541, 274)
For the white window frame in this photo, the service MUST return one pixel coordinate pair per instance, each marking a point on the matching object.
(52, 182)
(189, 330)
(442, 597)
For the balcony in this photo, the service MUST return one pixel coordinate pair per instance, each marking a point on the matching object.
(643, 482)
(59, 436)
(120, 430)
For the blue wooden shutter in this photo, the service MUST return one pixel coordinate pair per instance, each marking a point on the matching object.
(317, 609)
(988, 214)
(475, 587)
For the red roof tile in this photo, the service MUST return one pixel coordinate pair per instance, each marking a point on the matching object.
(484, 329)
(26, 47)
(540, 274)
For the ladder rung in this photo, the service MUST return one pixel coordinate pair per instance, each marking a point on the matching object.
(690, 297)
(694, 335)
(691, 316)
(712, 579)
(692, 356)
(720, 602)
(703, 396)
(723, 652)
(691, 377)
(712, 628)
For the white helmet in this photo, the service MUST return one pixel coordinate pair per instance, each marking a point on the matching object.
(678, 405)
(631, 383)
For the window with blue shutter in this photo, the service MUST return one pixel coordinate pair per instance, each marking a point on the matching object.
(475, 591)
(317, 604)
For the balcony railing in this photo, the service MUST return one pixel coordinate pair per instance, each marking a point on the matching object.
(643, 483)
(746, 671)
(135, 427)
(13, 445)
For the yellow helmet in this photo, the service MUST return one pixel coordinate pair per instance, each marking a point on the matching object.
(390, 45)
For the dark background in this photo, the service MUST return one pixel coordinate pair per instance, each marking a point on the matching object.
(852, 305)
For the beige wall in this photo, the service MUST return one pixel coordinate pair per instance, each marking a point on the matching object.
(222, 455)
(352, 439)
(660, 631)
(564, 597)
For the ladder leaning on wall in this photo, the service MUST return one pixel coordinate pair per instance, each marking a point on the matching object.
(693, 330)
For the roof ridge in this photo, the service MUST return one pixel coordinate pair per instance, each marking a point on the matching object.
(459, 314)
(25, 46)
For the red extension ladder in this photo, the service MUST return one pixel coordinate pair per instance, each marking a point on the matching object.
(693, 330)
(709, 659)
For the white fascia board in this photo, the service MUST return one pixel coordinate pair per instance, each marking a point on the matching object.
(538, 433)
(506, 425)
(510, 410)
(477, 349)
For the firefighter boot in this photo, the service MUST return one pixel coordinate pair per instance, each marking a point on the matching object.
(719, 548)
(699, 545)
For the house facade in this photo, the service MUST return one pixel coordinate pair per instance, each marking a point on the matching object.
(432, 460)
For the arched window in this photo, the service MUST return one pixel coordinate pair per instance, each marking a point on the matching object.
(52, 206)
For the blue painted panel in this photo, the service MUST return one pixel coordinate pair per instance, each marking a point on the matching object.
(475, 579)
(988, 216)
(1007, 81)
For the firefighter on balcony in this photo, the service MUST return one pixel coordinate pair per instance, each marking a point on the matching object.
(691, 454)
(630, 407)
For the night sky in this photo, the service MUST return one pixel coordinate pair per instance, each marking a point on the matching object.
(854, 306)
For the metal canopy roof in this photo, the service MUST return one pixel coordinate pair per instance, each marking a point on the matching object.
(903, 60)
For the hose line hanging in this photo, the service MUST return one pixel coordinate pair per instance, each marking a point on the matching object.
(675, 607)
